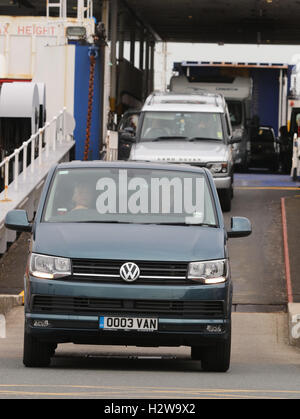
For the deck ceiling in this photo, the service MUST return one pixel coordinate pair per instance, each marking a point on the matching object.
(210, 21)
(38, 7)
(222, 21)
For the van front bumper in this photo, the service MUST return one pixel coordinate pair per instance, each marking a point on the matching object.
(85, 330)
(57, 321)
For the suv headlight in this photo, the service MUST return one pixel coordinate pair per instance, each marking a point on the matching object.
(218, 168)
(210, 272)
(49, 267)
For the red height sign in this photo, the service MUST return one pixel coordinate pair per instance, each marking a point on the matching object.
(27, 29)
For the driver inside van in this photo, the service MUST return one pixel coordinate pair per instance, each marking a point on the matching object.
(82, 197)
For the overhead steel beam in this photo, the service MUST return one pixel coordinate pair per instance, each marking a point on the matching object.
(136, 15)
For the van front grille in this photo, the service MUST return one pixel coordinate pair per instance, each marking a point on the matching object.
(150, 272)
(96, 306)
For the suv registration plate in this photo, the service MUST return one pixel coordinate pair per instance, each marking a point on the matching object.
(128, 323)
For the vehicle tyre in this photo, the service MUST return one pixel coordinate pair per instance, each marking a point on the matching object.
(295, 174)
(244, 166)
(274, 168)
(196, 353)
(53, 348)
(286, 168)
(217, 358)
(225, 199)
(36, 353)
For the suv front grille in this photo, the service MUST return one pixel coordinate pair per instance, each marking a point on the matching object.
(151, 272)
(96, 306)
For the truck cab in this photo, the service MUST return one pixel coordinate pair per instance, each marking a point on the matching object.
(188, 129)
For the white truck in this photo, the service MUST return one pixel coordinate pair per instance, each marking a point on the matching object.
(257, 94)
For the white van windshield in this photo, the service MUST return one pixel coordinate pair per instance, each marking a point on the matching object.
(182, 125)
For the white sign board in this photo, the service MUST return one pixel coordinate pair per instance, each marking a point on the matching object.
(22, 38)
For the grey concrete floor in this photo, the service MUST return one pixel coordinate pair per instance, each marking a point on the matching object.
(263, 365)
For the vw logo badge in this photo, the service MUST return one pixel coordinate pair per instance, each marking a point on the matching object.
(130, 272)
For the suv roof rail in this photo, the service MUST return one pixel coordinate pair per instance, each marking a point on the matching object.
(173, 97)
(151, 98)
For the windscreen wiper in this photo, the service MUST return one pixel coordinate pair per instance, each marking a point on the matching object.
(103, 222)
(203, 139)
(189, 224)
(169, 138)
(148, 223)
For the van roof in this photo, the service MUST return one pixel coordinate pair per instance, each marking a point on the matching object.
(166, 101)
(101, 164)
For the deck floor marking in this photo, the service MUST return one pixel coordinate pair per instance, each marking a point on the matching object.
(146, 392)
(264, 180)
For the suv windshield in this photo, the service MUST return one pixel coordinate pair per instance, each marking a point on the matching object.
(130, 195)
(181, 125)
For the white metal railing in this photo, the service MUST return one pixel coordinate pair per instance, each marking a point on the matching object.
(39, 146)
(61, 5)
(84, 8)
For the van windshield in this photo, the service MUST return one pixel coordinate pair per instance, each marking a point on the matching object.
(139, 196)
(181, 125)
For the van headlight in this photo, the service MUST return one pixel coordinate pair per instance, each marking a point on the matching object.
(49, 267)
(210, 272)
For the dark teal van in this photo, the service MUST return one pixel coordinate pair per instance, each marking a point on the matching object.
(126, 253)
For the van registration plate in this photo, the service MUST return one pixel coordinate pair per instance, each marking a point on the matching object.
(128, 323)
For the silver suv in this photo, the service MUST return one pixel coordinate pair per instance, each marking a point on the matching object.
(188, 129)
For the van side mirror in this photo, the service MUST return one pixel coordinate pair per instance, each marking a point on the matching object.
(240, 227)
(129, 130)
(128, 135)
(17, 220)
